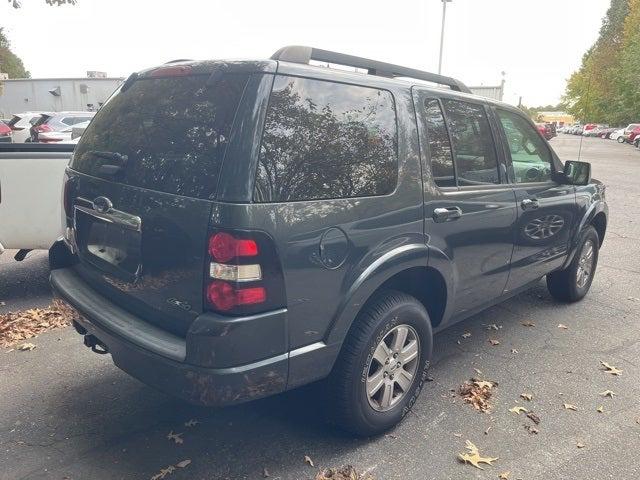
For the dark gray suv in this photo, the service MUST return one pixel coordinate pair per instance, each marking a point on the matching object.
(238, 229)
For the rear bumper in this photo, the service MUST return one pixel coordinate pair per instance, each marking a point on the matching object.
(167, 362)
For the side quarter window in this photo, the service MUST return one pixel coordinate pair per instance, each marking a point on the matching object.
(530, 157)
(326, 140)
(442, 168)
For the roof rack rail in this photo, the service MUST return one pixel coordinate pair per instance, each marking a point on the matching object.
(300, 54)
(179, 60)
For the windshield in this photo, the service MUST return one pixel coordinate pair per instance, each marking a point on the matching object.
(168, 134)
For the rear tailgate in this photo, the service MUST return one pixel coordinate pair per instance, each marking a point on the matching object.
(142, 183)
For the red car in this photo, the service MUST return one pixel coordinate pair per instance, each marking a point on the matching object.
(546, 131)
(630, 134)
(5, 132)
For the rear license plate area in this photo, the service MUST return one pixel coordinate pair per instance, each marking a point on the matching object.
(109, 243)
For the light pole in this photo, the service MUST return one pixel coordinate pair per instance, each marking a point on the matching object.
(444, 14)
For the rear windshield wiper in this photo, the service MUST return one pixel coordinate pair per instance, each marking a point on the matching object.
(109, 169)
(113, 156)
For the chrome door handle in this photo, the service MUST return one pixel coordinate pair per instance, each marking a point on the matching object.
(441, 215)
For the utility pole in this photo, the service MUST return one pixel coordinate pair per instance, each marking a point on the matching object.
(444, 14)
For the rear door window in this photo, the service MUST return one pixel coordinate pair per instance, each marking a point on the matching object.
(327, 140)
(165, 133)
(473, 146)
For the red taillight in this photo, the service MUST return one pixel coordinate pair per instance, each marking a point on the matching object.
(223, 296)
(43, 128)
(224, 247)
(243, 273)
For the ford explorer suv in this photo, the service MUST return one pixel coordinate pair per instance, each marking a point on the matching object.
(238, 229)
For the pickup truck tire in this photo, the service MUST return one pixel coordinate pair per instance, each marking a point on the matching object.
(573, 283)
(391, 329)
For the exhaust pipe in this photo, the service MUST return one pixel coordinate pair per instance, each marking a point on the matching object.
(95, 344)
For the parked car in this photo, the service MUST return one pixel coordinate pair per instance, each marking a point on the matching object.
(237, 229)
(606, 132)
(5, 133)
(20, 123)
(57, 122)
(594, 132)
(31, 177)
(636, 141)
(617, 135)
(78, 129)
(547, 130)
(55, 136)
(631, 132)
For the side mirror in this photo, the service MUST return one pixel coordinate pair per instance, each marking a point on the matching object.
(576, 173)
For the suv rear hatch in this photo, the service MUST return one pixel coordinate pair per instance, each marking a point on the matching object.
(140, 190)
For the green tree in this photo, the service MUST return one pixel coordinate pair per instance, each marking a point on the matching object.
(9, 62)
(591, 93)
(627, 75)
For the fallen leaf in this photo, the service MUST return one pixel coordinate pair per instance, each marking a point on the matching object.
(466, 335)
(308, 460)
(562, 326)
(183, 463)
(600, 409)
(518, 410)
(492, 326)
(164, 472)
(568, 406)
(191, 423)
(175, 437)
(26, 347)
(611, 369)
(346, 472)
(528, 323)
(580, 445)
(531, 429)
(514, 351)
(526, 396)
(533, 417)
(504, 476)
(608, 393)
(24, 324)
(477, 371)
(474, 458)
(477, 393)
(494, 342)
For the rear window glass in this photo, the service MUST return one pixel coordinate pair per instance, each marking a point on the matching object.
(166, 134)
(327, 140)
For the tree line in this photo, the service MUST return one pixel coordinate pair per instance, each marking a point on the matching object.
(606, 87)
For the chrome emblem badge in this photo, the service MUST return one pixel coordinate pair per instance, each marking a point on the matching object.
(102, 205)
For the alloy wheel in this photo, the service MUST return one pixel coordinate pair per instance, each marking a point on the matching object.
(392, 370)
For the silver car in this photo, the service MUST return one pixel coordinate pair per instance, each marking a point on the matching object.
(57, 122)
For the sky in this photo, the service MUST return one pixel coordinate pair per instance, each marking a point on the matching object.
(537, 43)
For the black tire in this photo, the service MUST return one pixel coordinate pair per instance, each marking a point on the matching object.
(349, 404)
(621, 140)
(563, 284)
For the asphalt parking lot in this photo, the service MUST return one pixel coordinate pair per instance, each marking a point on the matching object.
(66, 413)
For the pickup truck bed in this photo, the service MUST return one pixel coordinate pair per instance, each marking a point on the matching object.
(31, 194)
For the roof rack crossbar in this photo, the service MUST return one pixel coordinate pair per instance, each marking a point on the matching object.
(300, 54)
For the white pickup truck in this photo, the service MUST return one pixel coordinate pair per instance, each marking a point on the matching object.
(31, 178)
